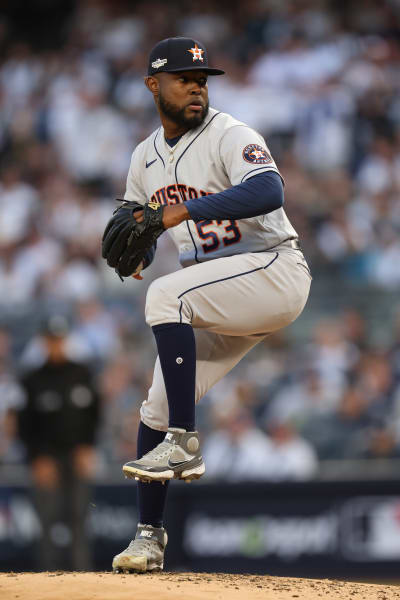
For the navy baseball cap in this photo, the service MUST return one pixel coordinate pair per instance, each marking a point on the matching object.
(179, 54)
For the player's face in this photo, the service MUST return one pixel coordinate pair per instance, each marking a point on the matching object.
(183, 97)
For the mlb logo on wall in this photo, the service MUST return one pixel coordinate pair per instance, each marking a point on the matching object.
(371, 529)
(257, 155)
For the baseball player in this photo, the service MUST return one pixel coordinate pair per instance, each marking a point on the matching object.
(220, 195)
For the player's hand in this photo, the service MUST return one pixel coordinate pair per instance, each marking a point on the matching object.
(136, 274)
(139, 216)
(172, 215)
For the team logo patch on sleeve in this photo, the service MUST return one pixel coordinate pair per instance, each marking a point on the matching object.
(257, 155)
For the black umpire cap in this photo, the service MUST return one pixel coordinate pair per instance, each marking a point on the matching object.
(55, 326)
(180, 54)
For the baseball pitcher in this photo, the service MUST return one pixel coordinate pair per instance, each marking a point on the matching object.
(211, 181)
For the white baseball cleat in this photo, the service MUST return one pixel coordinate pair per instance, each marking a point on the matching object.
(144, 553)
(178, 456)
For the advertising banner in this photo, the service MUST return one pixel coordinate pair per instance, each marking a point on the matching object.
(315, 529)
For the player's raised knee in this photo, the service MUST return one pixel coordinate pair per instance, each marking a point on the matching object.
(162, 303)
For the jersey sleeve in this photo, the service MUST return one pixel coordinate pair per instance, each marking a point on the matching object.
(134, 188)
(244, 153)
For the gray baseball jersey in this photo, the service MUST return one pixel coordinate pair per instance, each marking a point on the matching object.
(224, 300)
(219, 154)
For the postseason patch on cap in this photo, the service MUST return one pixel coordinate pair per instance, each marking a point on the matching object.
(257, 155)
(160, 62)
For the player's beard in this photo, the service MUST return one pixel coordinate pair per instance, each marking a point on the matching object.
(177, 115)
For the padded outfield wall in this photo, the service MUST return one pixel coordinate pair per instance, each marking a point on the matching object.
(311, 530)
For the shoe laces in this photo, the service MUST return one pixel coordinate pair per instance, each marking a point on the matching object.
(161, 451)
(142, 545)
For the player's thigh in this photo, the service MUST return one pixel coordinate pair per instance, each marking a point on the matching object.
(216, 355)
(250, 294)
(238, 295)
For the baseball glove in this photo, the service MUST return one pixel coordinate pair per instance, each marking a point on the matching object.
(126, 242)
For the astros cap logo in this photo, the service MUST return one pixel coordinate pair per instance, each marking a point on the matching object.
(197, 53)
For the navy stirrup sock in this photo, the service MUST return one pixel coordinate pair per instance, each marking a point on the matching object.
(177, 352)
(151, 496)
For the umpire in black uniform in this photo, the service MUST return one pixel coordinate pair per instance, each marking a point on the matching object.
(58, 425)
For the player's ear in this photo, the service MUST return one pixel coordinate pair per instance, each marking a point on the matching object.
(152, 84)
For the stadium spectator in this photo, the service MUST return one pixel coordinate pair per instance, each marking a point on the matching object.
(321, 84)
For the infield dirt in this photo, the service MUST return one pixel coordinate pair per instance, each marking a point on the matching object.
(185, 586)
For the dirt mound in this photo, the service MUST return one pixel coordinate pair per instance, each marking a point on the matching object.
(187, 586)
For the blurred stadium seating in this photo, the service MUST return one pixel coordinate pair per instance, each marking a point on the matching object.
(321, 81)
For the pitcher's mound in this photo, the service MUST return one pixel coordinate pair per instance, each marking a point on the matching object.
(187, 586)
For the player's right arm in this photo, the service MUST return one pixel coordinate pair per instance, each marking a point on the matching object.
(260, 194)
(256, 185)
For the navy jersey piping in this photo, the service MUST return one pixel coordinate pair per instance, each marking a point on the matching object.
(196, 287)
(180, 312)
(155, 147)
(191, 237)
(176, 179)
(260, 169)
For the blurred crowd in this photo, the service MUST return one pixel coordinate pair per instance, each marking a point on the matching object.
(321, 81)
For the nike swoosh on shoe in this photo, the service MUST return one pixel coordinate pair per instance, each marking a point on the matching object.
(176, 464)
(150, 163)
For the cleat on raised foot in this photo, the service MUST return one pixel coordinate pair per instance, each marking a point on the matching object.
(177, 456)
(144, 553)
